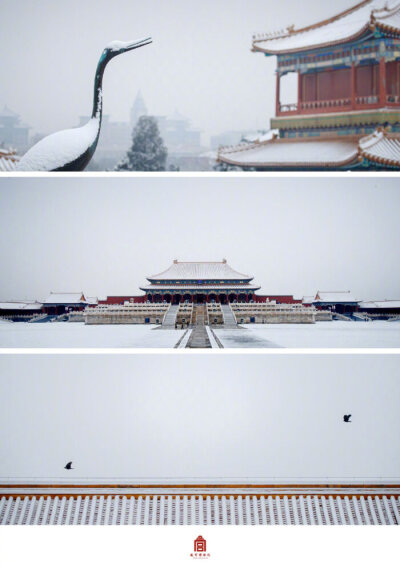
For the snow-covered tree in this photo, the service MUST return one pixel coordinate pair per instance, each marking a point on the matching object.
(148, 152)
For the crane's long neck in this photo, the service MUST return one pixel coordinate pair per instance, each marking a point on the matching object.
(98, 84)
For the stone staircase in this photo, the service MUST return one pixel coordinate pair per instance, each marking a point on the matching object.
(229, 317)
(170, 317)
(361, 317)
(341, 317)
(199, 337)
(199, 316)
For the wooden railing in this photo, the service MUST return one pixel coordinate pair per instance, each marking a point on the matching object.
(336, 103)
(370, 99)
(288, 107)
(310, 105)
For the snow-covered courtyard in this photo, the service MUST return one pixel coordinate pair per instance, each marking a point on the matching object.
(335, 334)
(332, 334)
(79, 335)
(237, 417)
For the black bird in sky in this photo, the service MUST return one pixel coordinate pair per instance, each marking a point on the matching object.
(68, 466)
(346, 418)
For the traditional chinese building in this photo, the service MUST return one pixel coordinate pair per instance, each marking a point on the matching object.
(338, 301)
(200, 282)
(345, 114)
(13, 132)
(20, 310)
(59, 303)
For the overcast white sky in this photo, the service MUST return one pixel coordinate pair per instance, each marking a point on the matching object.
(200, 61)
(241, 417)
(105, 235)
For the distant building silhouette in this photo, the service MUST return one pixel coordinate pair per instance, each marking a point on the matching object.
(138, 109)
(13, 132)
(177, 134)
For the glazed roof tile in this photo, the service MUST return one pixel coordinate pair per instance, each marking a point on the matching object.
(200, 271)
(381, 147)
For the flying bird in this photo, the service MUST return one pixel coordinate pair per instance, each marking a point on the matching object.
(68, 466)
(72, 150)
(346, 418)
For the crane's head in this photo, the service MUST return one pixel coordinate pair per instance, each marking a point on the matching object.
(117, 47)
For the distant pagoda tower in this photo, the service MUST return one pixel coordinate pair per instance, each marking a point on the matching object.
(346, 113)
(138, 109)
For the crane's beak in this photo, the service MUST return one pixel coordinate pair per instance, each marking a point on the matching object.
(137, 43)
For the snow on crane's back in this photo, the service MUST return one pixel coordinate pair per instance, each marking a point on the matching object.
(61, 148)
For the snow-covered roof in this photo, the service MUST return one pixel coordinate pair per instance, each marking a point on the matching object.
(92, 300)
(334, 297)
(343, 27)
(253, 137)
(8, 160)
(385, 304)
(66, 298)
(291, 153)
(381, 147)
(308, 299)
(246, 286)
(219, 509)
(20, 305)
(200, 271)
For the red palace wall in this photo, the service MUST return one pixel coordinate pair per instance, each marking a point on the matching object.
(277, 298)
(120, 299)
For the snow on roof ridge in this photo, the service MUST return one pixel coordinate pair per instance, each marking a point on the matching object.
(290, 30)
(381, 146)
(384, 12)
(370, 140)
(234, 274)
(271, 153)
(66, 297)
(344, 26)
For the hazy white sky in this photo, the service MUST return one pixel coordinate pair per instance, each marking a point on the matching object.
(105, 235)
(200, 61)
(239, 417)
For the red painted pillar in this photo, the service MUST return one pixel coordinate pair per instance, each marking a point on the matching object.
(278, 94)
(162, 297)
(353, 86)
(382, 82)
(299, 94)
